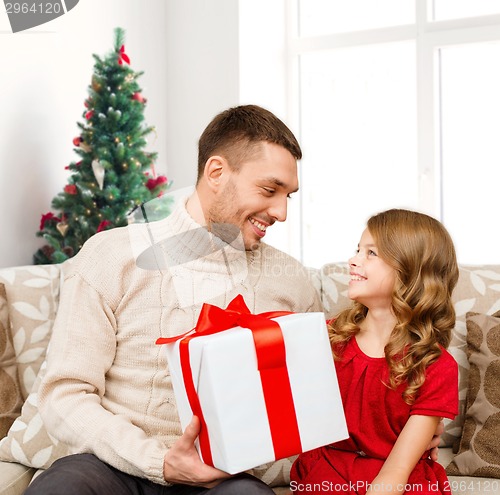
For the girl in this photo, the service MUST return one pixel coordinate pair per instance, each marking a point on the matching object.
(395, 376)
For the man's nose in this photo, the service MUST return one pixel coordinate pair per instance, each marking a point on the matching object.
(278, 211)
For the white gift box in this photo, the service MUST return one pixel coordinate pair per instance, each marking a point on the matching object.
(230, 391)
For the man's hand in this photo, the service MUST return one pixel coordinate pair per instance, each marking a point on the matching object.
(436, 439)
(182, 464)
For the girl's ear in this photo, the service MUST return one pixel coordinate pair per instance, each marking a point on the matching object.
(214, 172)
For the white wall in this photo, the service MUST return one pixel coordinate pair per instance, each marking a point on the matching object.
(203, 77)
(220, 53)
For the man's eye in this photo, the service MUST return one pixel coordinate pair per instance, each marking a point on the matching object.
(268, 190)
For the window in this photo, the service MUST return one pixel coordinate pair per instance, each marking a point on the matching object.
(470, 148)
(324, 17)
(440, 10)
(399, 107)
(358, 121)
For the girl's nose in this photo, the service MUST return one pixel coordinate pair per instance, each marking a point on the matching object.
(353, 261)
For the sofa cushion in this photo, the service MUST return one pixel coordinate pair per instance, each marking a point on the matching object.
(32, 297)
(27, 441)
(466, 485)
(478, 290)
(479, 453)
(333, 279)
(10, 393)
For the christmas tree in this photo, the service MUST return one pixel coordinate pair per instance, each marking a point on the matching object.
(114, 174)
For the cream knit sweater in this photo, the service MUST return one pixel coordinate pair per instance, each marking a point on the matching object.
(107, 389)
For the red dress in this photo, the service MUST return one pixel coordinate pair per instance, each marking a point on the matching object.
(375, 416)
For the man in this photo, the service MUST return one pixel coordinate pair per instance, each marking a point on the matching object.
(107, 391)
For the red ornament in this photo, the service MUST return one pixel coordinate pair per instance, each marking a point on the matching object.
(138, 97)
(77, 164)
(78, 141)
(46, 217)
(122, 56)
(103, 225)
(70, 189)
(89, 114)
(153, 183)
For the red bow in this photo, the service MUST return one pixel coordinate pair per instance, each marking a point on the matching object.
(122, 56)
(271, 361)
(46, 217)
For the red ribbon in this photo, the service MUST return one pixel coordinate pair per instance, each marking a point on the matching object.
(122, 56)
(271, 362)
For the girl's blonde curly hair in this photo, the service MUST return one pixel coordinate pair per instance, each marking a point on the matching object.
(422, 254)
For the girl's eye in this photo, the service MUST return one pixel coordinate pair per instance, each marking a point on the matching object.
(372, 253)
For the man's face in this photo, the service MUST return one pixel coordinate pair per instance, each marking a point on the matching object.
(255, 196)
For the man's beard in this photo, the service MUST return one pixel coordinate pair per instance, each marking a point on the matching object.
(223, 217)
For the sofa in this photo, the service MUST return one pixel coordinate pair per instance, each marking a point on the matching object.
(470, 444)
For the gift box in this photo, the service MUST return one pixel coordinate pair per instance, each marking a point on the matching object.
(264, 386)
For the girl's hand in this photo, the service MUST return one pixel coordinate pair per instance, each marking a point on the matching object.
(436, 440)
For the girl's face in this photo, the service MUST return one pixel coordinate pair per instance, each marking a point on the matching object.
(372, 279)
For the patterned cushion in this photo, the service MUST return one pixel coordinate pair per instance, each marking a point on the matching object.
(478, 290)
(275, 473)
(334, 282)
(28, 441)
(479, 453)
(10, 393)
(32, 296)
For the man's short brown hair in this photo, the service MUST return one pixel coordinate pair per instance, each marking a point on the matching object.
(238, 132)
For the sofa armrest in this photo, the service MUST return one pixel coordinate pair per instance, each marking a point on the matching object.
(14, 478)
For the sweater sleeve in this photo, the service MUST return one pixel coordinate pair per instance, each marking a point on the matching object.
(81, 352)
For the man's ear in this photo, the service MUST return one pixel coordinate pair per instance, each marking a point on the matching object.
(214, 171)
